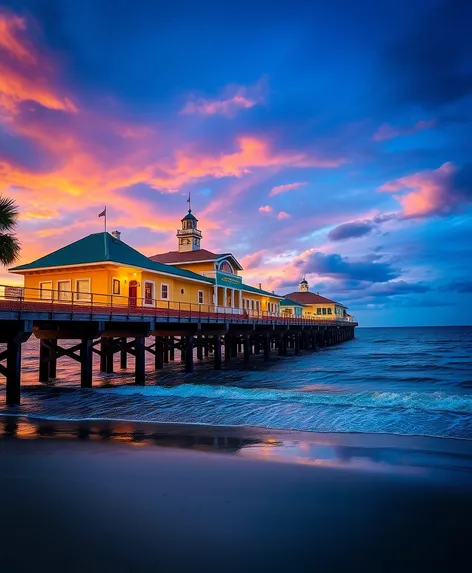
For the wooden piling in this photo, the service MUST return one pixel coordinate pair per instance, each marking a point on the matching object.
(247, 348)
(217, 360)
(188, 354)
(140, 362)
(123, 354)
(86, 356)
(158, 353)
(13, 372)
(44, 361)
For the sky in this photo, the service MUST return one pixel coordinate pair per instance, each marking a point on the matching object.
(325, 139)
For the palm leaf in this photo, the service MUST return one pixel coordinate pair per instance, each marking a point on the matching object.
(9, 249)
(8, 214)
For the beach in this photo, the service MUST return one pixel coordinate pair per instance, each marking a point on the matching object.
(147, 497)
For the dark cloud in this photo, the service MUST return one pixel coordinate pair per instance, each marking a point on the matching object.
(351, 230)
(336, 266)
(432, 65)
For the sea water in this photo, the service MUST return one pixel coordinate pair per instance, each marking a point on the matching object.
(410, 381)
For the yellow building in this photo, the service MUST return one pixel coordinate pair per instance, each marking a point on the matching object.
(103, 269)
(314, 305)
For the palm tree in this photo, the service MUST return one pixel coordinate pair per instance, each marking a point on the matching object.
(9, 244)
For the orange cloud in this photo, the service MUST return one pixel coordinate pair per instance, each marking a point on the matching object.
(284, 188)
(24, 76)
(283, 215)
(432, 192)
(265, 209)
(11, 27)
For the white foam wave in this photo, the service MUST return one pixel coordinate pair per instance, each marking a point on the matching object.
(427, 401)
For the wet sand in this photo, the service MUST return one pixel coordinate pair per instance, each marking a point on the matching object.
(117, 497)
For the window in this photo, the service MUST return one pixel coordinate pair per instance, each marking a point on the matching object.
(64, 289)
(200, 297)
(82, 289)
(318, 311)
(330, 311)
(324, 311)
(116, 286)
(164, 292)
(148, 292)
(45, 290)
(226, 267)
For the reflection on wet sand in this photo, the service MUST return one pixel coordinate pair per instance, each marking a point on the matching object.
(420, 456)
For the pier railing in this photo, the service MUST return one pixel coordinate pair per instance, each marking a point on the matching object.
(25, 299)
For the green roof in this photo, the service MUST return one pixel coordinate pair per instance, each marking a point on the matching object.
(102, 247)
(189, 216)
(290, 302)
(249, 288)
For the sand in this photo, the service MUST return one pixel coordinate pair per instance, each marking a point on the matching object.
(108, 497)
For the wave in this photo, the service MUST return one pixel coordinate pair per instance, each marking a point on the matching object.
(432, 402)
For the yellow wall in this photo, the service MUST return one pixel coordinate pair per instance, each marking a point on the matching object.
(197, 267)
(311, 310)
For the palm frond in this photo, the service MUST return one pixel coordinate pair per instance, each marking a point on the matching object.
(8, 214)
(9, 249)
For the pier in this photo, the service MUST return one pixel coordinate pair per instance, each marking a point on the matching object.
(132, 328)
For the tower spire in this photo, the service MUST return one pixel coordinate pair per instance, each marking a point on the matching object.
(189, 236)
(189, 204)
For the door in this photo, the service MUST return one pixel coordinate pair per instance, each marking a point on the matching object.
(133, 293)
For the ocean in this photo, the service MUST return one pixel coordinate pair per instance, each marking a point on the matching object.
(405, 381)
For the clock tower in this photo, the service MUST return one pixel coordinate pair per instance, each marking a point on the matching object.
(189, 236)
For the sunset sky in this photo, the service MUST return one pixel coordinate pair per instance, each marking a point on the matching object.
(330, 139)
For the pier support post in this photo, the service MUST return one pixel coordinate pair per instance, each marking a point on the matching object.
(297, 343)
(206, 350)
(165, 349)
(189, 354)
(86, 356)
(13, 373)
(53, 359)
(199, 348)
(246, 348)
(44, 361)
(217, 352)
(103, 354)
(227, 348)
(123, 354)
(171, 348)
(140, 362)
(266, 347)
(158, 354)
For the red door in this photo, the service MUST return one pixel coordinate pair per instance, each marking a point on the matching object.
(133, 293)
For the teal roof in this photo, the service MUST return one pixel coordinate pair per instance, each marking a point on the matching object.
(102, 247)
(190, 216)
(290, 302)
(249, 288)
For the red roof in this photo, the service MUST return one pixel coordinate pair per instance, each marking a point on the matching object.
(190, 257)
(310, 298)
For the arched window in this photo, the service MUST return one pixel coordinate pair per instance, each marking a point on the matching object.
(226, 267)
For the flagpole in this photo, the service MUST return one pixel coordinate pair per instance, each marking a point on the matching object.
(105, 218)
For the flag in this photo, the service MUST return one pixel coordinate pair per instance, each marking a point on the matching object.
(188, 200)
(103, 213)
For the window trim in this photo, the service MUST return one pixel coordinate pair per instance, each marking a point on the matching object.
(113, 293)
(88, 294)
(69, 292)
(201, 292)
(168, 291)
(153, 293)
(41, 283)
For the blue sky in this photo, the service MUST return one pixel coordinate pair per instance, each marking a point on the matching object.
(326, 139)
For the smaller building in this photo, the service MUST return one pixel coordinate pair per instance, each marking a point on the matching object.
(316, 306)
(290, 308)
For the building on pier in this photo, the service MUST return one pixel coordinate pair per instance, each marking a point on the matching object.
(105, 270)
(313, 305)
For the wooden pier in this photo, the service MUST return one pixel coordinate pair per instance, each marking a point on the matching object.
(134, 329)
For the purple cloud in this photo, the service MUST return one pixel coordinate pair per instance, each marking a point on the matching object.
(336, 266)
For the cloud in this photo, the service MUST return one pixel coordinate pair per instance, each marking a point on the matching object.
(284, 188)
(458, 286)
(11, 28)
(336, 266)
(265, 209)
(432, 192)
(351, 230)
(386, 131)
(236, 98)
(253, 260)
(283, 215)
